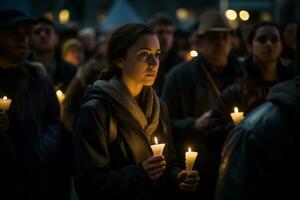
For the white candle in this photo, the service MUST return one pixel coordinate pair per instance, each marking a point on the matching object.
(237, 116)
(5, 103)
(190, 157)
(60, 96)
(157, 149)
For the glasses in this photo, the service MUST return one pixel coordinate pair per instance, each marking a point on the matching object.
(264, 39)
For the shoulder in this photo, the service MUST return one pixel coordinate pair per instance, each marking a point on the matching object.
(182, 69)
(33, 68)
(264, 123)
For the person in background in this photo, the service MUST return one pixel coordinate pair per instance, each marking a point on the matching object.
(289, 38)
(260, 158)
(164, 27)
(192, 88)
(43, 46)
(86, 75)
(119, 164)
(88, 38)
(73, 52)
(30, 129)
(263, 70)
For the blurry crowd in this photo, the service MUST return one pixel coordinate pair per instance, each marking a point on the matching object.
(202, 76)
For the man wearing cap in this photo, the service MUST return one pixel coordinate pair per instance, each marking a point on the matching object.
(30, 129)
(192, 88)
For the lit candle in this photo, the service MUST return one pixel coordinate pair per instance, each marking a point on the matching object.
(190, 157)
(157, 149)
(60, 96)
(5, 103)
(237, 116)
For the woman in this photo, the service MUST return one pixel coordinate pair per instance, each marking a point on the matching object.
(121, 166)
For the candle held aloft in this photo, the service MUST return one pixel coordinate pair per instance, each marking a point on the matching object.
(237, 116)
(190, 157)
(5, 103)
(60, 96)
(157, 149)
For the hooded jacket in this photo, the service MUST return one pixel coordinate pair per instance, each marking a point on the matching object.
(261, 156)
(113, 169)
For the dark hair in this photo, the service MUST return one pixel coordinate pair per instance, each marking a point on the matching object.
(160, 19)
(44, 20)
(253, 31)
(119, 43)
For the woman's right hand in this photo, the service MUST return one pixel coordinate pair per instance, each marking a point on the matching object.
(154, 166)
(4, 122)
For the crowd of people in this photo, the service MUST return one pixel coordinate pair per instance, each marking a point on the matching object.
(125, 89)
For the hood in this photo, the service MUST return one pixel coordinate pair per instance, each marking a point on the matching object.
(287, 94)
(93, 92)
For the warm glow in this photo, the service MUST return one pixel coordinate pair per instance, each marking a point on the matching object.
(64, 16)
(236, 110)
(155, 140)
(182, 14)
(193, 53)
(5, 98)
(231, 14)
(244, 15)
(190, 150)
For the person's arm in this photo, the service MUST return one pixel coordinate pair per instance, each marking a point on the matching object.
(220, 122)
(50, 136)
(94, 177)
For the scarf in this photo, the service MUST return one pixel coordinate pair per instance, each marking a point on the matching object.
(146, 116)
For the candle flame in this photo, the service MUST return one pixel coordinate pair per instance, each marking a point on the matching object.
(5, 98)
(236, 110)
(190, 150)
(155, 140)
(59, 93)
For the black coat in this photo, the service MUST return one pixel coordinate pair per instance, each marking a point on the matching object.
(107, 169)
(33, 136)
(261, 156)
(189, 94)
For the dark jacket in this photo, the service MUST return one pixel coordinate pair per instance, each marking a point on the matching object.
(246, 95)
(61, 74)
(32, 138)
(107, 169)
(189, 94)
(261, 156)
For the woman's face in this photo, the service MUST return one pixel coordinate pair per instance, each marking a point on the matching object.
(266, 45)
(140, 66)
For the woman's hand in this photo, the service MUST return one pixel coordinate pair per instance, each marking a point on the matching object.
(188, 181)
(4, 122)
(154, 166)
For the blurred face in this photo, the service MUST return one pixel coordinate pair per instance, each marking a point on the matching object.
(89, 42)
(266, 45)
(14, 42)
(166, 36)
(43, 37)
(289, 35)
(140, 66)
(75, 56)
(216, 47)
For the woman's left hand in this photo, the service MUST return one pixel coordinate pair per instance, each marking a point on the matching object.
(188, 181)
